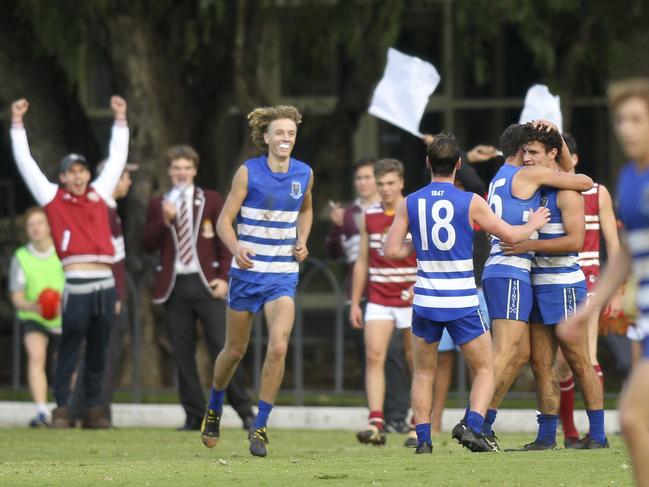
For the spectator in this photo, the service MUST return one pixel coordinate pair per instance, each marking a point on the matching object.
(78, 218)
(191, 279)
(119, 327)
(34, 268)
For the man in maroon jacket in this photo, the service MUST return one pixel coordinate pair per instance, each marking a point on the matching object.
(191, 278)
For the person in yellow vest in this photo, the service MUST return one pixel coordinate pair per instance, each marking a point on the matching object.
(35, 268)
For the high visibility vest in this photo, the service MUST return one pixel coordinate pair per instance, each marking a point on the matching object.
(40, 274)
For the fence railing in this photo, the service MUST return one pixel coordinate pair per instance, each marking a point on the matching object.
(312, 268)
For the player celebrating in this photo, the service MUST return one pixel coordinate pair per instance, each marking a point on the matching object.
(629, 100)
(506, 279)
(389, 300)
(270, 200)
(558, 286)
(598, 213)
(78, 217)
(440, 219)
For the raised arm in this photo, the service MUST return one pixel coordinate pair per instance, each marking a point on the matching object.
(304, 222)
(39, 186)
(117, 151)
(225, 223)
(395, 246)
(481, 214)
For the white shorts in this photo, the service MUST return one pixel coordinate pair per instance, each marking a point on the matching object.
(402, 317)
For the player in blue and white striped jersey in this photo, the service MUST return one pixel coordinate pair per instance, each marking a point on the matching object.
(270, 201)
(629, 100)
(506, 278)
(558, 287)
(441, 219)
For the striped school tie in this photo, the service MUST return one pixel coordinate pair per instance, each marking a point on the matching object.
(184, 231)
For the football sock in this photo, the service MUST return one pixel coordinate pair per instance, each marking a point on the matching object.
(423, 433)
(567, 408)
(42, 409)
(489, 420)
(547, 428)
(216, 400)
(596, 421)
(376, 419)
(475, 421)
(263, 411)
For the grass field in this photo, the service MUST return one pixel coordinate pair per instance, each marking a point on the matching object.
(326, 458)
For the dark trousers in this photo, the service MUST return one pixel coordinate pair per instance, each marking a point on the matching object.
(84, 316)
(114, 352)
(397, 380)
(190, 300)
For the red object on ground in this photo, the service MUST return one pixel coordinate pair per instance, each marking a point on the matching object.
(49, 300)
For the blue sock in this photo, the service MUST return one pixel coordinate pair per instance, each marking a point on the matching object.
(547, 428)
(489, 420)
(596, 420)
(216, 400)
(423, 433)
(475, 421)
(263, 412)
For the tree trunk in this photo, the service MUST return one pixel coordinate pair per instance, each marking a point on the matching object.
(380, 25)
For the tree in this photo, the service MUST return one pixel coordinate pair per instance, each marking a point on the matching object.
(574, 43)
(183, 67)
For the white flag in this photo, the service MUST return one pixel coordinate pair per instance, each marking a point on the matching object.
(540, 104)
(401, 96)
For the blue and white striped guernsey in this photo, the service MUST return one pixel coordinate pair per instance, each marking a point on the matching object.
(267, 221)
(438, 217)
(514, 211)
(555, 270)
(633, 211)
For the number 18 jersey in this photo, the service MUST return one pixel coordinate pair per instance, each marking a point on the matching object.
(442, 235)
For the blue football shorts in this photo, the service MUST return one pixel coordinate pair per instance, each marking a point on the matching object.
(508, 299)
(554, 305)
(461, 330)
(251, 296)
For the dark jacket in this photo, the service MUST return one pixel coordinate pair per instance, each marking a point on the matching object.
(213, 256)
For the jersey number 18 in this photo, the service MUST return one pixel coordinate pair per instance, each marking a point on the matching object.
(439, 222)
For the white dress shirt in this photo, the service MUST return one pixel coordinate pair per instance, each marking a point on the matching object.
(176, 196)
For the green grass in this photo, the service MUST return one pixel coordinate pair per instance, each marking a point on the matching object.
(296, 458)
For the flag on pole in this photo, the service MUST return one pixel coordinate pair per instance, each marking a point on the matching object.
(401, 96)
(540, 104)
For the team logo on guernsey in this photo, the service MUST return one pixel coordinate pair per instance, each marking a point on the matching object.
(296, 190)
(544, 201)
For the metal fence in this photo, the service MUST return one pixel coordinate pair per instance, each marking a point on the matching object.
(313, 268)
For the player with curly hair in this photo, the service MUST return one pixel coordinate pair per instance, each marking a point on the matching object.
(270, 201)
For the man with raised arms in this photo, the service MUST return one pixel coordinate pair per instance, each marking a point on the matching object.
(78, 216)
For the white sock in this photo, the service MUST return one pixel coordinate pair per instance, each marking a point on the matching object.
(42, 408)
